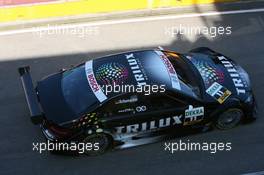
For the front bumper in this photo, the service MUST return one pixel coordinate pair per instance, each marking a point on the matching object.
(250, 107)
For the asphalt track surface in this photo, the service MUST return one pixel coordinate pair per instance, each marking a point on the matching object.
(52, 52)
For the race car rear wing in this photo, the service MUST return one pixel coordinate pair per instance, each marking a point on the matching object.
(36, 114)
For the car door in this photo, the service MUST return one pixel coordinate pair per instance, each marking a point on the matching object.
(165, 111)
(124, 113)
(172, 109)
(136, 113)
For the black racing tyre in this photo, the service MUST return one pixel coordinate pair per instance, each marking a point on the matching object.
(229, 119)
(103, 141)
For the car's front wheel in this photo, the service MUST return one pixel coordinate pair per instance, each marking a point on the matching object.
(229, 119)
(101, 142)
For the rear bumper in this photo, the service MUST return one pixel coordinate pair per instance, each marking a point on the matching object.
(36, 114)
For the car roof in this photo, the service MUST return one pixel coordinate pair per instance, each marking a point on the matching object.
(146, 67)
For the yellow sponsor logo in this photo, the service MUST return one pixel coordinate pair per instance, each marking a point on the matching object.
(225, 95)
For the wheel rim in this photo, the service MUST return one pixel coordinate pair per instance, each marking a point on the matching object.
(102, 141)
(229, 119)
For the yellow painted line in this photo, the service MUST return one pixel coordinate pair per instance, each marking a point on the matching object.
(40, 11)
(173, 3)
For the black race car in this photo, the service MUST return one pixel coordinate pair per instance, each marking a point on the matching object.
(197, 89)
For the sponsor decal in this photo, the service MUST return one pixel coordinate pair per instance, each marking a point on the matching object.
(141, 108)
(151, 125)
(111, 73)
(132, 99)
(126, 110)
(237, 80)
(93, 83)
(193, 115)
(172, 73)
(136, 69)
(87, 120)
(218, 92)
(209, 72)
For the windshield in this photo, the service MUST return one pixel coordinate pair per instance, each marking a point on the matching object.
(76, 90)
(185, 74)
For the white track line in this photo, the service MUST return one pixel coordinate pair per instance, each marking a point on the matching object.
(255, 173)
(122, 21)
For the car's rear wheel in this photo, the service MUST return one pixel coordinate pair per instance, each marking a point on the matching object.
(229, 119)
(102, 141)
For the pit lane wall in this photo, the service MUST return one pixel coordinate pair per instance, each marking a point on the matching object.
(21, 10)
